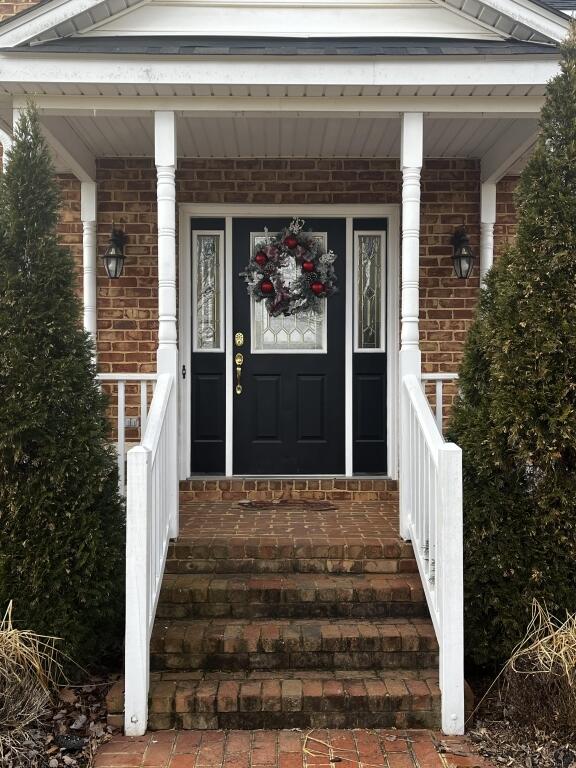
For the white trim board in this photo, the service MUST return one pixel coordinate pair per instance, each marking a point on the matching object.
(297, 71)
(58, 18)
(187, 211)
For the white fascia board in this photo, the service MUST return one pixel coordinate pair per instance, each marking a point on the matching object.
(345, 106)
(29, 68)
(42, 19)
(534, 16)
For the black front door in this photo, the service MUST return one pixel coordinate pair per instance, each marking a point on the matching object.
(289, 416)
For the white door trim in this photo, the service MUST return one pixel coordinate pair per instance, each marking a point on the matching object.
(186, 211)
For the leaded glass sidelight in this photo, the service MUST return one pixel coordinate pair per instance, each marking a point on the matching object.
(369, 265)
(207, 288)
(301, 333)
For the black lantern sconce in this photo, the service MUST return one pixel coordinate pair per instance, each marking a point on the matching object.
(113, 256)
(463, 256)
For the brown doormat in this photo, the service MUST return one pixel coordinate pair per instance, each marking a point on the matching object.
(288, 504)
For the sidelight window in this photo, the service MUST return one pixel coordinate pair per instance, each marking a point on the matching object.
(207, 290)
(370, 293)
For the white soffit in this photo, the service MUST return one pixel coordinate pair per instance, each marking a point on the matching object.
(286, 137)
(489, 19)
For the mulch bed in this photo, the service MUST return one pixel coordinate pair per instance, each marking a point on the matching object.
(78, 726)
(500, 738)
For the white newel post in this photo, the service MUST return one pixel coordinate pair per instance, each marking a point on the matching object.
(410, 358)
(137, 641)
(167, 355)
(88, 217)
(487, 222)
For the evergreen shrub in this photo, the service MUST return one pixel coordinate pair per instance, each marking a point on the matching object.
(61, 518)
(516, 416)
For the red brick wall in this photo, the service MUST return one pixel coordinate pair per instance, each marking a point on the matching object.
(10, 9)
(127, 308)
(505, 229)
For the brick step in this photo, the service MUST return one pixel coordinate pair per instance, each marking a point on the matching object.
(298, 555)
(231, 645)
(291, 596)
(284, 699)
(267, 489)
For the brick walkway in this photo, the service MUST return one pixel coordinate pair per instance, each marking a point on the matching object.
(289, 749)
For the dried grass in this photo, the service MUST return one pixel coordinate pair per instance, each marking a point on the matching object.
(29, 672)
(539, 681)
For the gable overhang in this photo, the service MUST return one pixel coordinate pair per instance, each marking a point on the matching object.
(54, 19)
(341, 72)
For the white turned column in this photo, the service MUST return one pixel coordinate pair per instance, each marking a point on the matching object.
(167, 354)
(410, 359)
(6, 141)
(165, 158)
(411, 163)
(88, 217)
(487, 222)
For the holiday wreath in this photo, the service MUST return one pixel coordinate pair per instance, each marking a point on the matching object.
(271, 277)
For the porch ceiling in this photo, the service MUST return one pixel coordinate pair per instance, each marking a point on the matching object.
(286, 136)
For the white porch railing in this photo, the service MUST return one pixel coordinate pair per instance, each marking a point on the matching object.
(431, 513)
(438, 380)
(119, 381)
(151, 513)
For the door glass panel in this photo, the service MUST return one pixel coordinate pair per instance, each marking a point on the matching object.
(207, 287)
(302, 333)
(370, 292)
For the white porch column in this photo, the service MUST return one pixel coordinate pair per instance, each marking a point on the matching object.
(167, 354)
(410, 358)
(165, 158)
(411, 164)
(6, 141)
(487, 222)
(88, 216)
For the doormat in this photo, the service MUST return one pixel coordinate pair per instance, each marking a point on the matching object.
(319, 506)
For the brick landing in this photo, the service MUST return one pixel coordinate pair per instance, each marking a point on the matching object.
(286, 749)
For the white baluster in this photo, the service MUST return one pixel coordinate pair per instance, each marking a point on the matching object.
(121, 436)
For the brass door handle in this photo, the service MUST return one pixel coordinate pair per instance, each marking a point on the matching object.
(239, 359)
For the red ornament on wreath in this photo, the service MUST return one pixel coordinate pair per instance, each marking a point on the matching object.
(317, 287)
(291, 272)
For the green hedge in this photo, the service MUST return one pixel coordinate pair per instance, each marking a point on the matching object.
(61, 518)
(516, 417)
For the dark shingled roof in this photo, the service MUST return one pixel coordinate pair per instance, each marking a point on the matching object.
(282, 46)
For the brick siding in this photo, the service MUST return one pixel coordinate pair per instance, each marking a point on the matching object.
(127, 308)
(11, 9)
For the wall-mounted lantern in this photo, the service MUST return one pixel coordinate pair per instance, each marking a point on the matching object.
(463, 256)
(113, 256)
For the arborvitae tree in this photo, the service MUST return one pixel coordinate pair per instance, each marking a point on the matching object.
(61, 518)
(516, 417)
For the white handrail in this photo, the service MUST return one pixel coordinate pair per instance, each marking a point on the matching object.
(150, 511)
(439, 379)
(431, 515)
(120, 380)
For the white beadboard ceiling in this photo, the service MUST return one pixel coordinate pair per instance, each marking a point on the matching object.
(285, 137)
